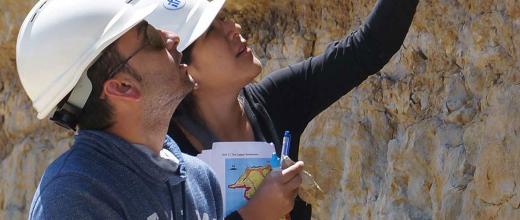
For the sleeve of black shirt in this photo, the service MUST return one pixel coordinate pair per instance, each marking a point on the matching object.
(295, 95)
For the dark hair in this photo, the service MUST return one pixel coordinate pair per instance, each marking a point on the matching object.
(97, 112)
(188, 103)
(186, 54)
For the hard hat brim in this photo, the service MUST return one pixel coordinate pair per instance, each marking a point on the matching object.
(209, 15)
(189, 25)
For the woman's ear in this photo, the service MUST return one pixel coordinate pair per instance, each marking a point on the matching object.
(122, 86)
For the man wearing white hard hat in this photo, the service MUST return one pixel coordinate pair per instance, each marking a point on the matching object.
(98, 66)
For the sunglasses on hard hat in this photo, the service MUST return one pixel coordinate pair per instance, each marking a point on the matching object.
(152, 38)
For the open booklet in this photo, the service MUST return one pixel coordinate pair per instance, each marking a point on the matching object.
(240, 168)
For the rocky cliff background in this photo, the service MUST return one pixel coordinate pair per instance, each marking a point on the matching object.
(434, 135)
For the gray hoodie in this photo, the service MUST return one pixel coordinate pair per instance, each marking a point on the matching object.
(104, 177)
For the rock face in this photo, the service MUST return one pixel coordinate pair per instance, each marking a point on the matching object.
(27, 145)
(434, 135)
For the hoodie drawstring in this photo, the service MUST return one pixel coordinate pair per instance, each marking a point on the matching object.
(174, 215)
(183, 189)
(183, 193)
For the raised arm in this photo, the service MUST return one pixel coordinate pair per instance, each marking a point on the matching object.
(296, 94)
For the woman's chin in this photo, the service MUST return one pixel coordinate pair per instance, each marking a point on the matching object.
(256, 60)
(258, 66)
(252, 69)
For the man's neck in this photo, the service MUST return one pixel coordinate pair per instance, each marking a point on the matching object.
(135, 131)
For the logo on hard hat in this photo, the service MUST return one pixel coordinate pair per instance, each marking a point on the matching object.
(174, 4)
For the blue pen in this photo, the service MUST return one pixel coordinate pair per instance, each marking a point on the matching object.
(286, 144)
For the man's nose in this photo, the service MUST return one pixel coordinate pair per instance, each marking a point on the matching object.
(171, 40)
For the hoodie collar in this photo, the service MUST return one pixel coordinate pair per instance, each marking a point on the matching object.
(134, 158)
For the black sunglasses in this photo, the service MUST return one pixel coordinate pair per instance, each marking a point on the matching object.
(152, 39)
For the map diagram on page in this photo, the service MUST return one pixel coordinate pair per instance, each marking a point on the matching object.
(243, 177)
(240, 168)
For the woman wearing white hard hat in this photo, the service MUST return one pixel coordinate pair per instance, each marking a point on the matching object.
(227, 106)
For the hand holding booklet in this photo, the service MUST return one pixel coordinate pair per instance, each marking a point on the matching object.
(240, 168)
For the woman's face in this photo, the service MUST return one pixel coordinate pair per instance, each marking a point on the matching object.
(221, 59)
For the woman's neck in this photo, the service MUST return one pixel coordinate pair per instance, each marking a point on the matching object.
(223, 115)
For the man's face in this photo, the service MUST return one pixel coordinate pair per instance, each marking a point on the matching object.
(164, 81)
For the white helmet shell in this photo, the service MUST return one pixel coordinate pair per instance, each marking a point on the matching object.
(188, 18)
(60, 39)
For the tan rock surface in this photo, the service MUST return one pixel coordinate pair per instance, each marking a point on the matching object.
(435, 135)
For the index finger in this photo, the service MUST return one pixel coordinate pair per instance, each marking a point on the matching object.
(292, 171)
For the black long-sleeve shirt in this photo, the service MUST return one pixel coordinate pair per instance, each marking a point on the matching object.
(289, 98)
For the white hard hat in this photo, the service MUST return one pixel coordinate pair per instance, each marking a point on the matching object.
(188, 18)
(60, 39)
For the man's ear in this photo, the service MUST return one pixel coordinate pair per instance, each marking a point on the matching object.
(122, 86)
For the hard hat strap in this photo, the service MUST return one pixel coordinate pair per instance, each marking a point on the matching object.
(81, 92)
(67, 115)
